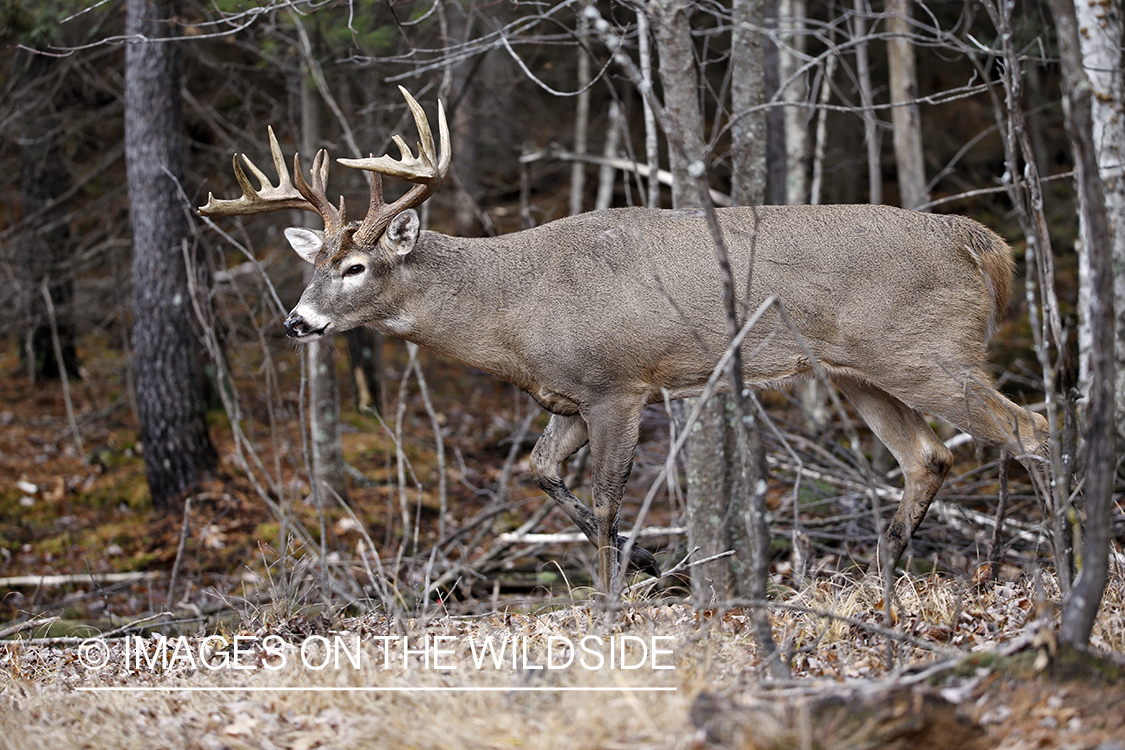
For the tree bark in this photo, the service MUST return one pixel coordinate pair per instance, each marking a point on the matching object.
(749, 534)
(1101, 39)
(708, 459)
(177, 448)
(644, 55)
(905, 116)
(678, 75)
(791, 28)
(866, 100)
(747, 92)
(1080, 605)
(328, 467)
(581, 118)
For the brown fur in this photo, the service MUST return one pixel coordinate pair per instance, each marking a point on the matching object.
(596, 315)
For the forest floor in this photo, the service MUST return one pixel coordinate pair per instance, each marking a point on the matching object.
(225, 651)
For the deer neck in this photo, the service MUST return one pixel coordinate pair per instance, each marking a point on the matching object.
(454, 299)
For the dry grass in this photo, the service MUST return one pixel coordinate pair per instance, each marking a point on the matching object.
(830, 630)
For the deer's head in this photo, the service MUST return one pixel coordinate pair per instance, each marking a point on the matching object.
(352, 261)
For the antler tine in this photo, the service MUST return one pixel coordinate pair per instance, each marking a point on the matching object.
(427, 170)
(317, 195)
(266, 197)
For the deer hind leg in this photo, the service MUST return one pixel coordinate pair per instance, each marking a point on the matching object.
(924, 459)
(969, 402)
(563, 436)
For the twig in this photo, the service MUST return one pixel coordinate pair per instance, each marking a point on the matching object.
(1001, 509)
(514, 537)
(179, 550)
(27, 625)
(664, 177)
(62, 368)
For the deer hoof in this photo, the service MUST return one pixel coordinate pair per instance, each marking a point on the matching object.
(641, 559)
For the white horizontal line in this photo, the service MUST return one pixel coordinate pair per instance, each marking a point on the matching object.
(440, 689)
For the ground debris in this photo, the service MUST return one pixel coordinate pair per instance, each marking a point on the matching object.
(887, 714)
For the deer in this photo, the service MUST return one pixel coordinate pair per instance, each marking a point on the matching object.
(599, 314)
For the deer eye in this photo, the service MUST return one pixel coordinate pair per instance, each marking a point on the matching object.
(355, 270)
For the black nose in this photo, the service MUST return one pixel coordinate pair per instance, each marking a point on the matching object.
(296, 326)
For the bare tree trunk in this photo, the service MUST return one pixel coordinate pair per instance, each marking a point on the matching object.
(867, 99)
(820, 143)
(1101, 40)
(709, 468)
(464, 128)
(1080, 606)
(791, 26)
(328, 467)
(581, 119)
(750, 531)
(680, 79)
(747, 92)
(644, 54)
(177, 448)
(905, 116)
(607, 175)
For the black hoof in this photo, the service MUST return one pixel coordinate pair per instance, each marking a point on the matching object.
(641, 559)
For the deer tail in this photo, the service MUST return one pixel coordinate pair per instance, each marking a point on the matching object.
(993, 258)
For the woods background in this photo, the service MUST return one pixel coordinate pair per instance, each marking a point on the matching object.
(144, 361)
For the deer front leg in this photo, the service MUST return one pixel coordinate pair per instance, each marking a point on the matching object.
(563, 436)
(614, 427)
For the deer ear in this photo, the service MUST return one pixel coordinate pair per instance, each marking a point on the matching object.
(307, 242)
(402, 232)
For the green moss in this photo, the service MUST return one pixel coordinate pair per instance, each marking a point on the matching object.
(56, 546)
(267, 532)
(131, 489)
(142, 561)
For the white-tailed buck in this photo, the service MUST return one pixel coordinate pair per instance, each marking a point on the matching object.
(599, 314)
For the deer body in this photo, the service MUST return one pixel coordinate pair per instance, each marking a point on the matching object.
(598, 314)
(630, 300)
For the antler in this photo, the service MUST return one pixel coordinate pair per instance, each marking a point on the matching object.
(284, 195)
(427, 170)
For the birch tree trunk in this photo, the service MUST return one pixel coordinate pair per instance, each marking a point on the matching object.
(1101, 42)
(652, 157)
(1080, 605)
(607, 175)
(791, 28)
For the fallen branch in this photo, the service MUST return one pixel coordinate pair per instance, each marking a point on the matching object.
(63, 580)
(514, 537)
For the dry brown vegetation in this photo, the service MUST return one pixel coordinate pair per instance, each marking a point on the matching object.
(952, 661)
(963, 668)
